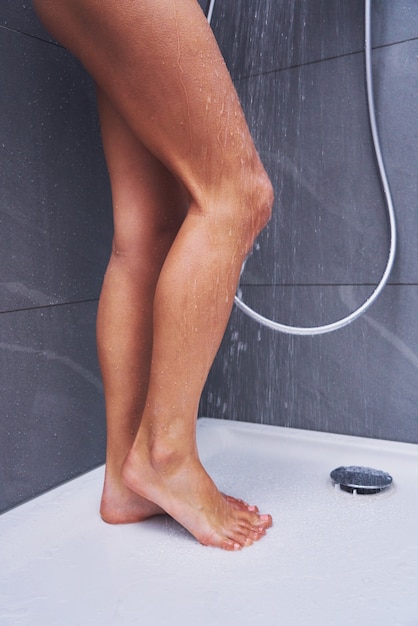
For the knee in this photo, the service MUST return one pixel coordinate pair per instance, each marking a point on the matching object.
(238, 204)
(263, 199)
(256, 204)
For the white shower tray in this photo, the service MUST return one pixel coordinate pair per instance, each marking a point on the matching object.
(331, 558)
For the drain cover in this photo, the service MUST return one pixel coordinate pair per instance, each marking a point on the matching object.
(363, 480)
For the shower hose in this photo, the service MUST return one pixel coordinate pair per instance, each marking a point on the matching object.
(326, 328)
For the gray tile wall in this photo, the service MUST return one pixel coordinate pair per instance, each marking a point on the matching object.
(55, 233)
(299, 70)
(55, 230)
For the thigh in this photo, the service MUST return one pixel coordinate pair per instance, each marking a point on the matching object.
(159, 64)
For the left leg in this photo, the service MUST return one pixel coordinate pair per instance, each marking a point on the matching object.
(149, 207)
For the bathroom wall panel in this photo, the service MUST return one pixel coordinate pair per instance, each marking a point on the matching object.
(360, 380)
(305, 305)
(52, 415)
(396, 90)
(315, 143)
(55, 208)
(329, 223)
(56, 229)
(258, 36)
(204, 4)
(242, 29)
(394, 21)
(19, 15)
(311, 127)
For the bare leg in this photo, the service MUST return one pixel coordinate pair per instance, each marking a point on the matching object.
(149, 207)
(159, 65)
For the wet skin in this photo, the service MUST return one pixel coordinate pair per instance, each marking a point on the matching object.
(190, 195)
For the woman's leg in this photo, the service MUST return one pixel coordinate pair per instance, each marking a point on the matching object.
(159, 65)
(149, 207)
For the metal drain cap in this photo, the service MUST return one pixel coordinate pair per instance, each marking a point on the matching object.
(363, 480)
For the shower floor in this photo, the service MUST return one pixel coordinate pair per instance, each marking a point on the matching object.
(331, 558)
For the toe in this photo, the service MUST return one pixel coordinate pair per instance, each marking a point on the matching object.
(240, 504)
(266, 521)
(231, 545)
(256, 535)
(261, 521)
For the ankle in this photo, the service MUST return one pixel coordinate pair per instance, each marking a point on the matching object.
(160, 455)
(164, 457)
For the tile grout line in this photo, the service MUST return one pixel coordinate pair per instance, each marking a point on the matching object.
(49, 306)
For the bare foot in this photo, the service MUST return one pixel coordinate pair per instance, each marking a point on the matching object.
(185, 491)
(121, 505)
(237, 502)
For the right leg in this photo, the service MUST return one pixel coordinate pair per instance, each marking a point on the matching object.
(149, 206)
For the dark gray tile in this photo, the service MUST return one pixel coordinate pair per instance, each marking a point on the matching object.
(55, 208)
(258, 36)
(360, 380)
(311, 127)
(265, 35)
(204, 5)
(262, 35)
(329, 224)
(52, 415)
(21, 16)
(394, 21)
(305, 305)
(396, 86)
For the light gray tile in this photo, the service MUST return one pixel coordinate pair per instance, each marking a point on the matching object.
(55, 209)
(51, 406)
(360, 380)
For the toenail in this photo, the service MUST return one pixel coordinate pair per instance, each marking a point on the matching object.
(252, 508)
(264, 518)
(237, 546)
